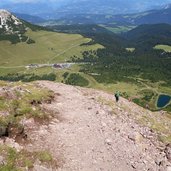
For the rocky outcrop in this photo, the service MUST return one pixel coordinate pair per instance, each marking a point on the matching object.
(168, 152)
(3, 130)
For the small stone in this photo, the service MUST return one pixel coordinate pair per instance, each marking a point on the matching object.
(168, 152)
(108, 142)
(103, 124)
(11, 142)
(1, 160)
(136, 137)
(133, 166)
(30, 123)
(94, 161)
(3, 131)
(131, 137)
(150, 169)
(158, 162)
(34, 108)
(41, 168)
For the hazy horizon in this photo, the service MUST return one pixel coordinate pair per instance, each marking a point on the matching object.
(36, 7)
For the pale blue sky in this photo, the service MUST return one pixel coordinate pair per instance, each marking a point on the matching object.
(40, 6)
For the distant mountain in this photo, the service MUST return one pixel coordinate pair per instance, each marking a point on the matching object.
(162, 15)
(41, 7)
(13, 29)
(9, 24)
(70, 19)
(97, 33)
(147, 36)
(150, 17)
(30, 18)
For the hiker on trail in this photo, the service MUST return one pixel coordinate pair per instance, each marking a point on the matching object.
(147, 106)
(117, 96)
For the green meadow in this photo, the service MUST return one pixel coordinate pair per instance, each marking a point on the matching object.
(166, 48)
(50, 47)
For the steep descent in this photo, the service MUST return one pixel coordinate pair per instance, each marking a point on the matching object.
(92, 132)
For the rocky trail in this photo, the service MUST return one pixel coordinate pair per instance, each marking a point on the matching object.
(91, 132)
(86, 131)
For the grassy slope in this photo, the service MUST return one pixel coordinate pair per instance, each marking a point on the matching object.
(166, 48)
(49, 47)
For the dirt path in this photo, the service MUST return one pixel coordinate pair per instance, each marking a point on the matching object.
(91, 136)
(61, 53)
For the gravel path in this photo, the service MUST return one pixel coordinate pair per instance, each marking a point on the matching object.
(93, 133)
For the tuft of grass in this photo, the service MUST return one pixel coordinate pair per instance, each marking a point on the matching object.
(3, 104)
(3, 83)
(14, 160)
(10, 156)
(109, 103)
(27, 105)
(165, 139)
(44, 156)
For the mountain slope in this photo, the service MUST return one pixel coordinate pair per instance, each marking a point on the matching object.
(30, 18)
(13, 29)
(97, 33)
(162, 15)
(150, 35)
(123, 22)
(153, 17)
(9, 24)
(88, 129)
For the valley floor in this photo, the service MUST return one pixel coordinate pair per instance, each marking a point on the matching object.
(92, 132)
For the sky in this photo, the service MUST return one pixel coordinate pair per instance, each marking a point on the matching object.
(40, 6)
(52, 1)
(28, 1)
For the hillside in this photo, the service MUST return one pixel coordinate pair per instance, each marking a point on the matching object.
(13, 29)
(9, 24)
(150, 35)
(89, 56)
(88, 129)
(118, 23)
(35, 45)
(153, 17)
(30, 18)
(97, 33)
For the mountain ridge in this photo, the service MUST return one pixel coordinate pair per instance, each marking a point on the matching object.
(88, 129)
(149, 35)
(13, 29)
(9, 24)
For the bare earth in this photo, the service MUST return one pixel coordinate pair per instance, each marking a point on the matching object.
(91, 132)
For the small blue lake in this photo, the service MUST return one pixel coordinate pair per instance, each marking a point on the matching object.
(163, 100)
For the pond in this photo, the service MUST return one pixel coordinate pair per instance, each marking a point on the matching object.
(163, 100)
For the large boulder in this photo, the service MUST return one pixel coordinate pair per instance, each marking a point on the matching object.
(168, 152)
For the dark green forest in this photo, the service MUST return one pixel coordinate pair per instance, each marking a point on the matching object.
(115, 63)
